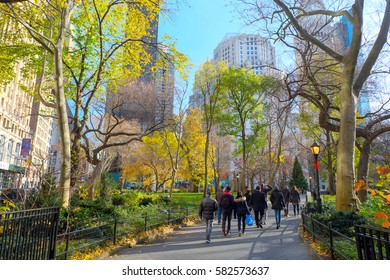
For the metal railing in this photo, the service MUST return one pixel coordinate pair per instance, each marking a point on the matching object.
(79, 240)
(372, 243)
(340, 246)
(29, 234)
(368, 243)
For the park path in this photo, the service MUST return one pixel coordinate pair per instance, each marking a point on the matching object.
(267, 243)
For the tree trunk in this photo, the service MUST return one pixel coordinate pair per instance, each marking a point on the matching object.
(345, 197)
(331, 186)
(244, 158)
(97, 171)
(75, 160)
(363, 168)
(172, 182)
(63, 124)
(206, 155)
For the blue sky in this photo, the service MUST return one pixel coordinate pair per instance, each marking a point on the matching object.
(199, 25)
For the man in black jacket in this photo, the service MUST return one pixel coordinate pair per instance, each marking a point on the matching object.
(227, 204)
(265, 189)
(259, 204)
(207, 208)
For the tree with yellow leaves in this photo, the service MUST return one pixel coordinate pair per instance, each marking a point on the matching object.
(89, 46)
(193, 145)
(151, 160)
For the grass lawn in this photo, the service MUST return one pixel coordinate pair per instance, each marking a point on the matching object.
(185, 199)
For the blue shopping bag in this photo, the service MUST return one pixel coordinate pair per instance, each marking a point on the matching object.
(249, 220)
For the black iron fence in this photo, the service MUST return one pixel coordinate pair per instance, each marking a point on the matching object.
(80, 240)
(367, 243)
(32, 234)
(29, 234)
(372, 243)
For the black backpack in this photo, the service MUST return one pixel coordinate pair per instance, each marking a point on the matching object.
(225, 201)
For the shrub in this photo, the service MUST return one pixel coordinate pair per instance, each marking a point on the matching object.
(344, 222)
(118, 199)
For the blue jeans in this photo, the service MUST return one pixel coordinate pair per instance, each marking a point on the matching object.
(219, 215)
(277, 215)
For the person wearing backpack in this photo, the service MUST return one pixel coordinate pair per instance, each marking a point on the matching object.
(227, 203)
(207, 208)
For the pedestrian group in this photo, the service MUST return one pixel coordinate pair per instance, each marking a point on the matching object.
(225, 206)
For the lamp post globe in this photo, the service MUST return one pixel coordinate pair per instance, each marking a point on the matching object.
(315, 150)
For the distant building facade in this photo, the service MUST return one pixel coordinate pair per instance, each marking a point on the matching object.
(246, 50)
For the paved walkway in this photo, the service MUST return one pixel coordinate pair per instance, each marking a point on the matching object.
(188, 243)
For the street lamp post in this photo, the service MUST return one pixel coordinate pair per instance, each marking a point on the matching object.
(315, 150)
(237, 177)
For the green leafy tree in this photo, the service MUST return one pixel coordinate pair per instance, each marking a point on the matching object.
(241, 111)
(88, 47)
(208, 83)
(297, 178)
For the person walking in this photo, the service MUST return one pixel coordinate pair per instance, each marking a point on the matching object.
(286, 196)
(265, 189)
(218, 198)
(241, 211)
(208, 206)
(227, 204)
(295, 199)
(277, 201)
(259, 205)
(248, 196)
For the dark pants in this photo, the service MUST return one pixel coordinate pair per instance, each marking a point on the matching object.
(257, 220)
(286, 209)
(296, 206)
(241, 221)
(226, 215)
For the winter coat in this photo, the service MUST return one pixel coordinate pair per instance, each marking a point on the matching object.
(207, 208)
(258, 201)
(248, 198)
(294, 197)
(218, 196)
(277, 200)
(241, 206)
(286, 195)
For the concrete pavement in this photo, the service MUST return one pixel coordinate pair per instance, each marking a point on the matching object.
(188, 243)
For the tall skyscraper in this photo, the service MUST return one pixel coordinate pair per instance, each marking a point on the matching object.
(246, 50)
(157, 75)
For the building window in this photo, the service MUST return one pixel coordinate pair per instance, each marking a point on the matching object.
(9, 151)
(17, 152)
(2, 143)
